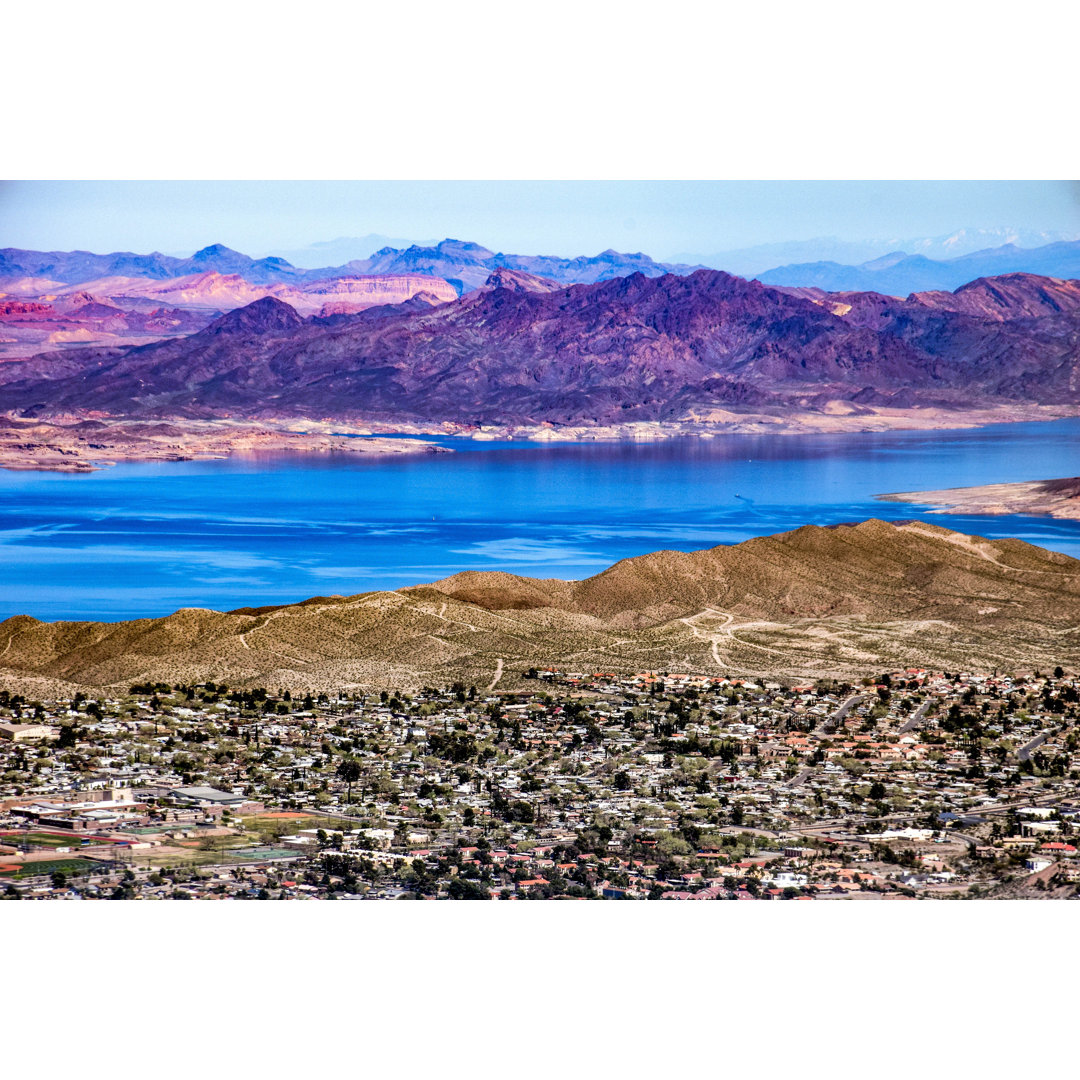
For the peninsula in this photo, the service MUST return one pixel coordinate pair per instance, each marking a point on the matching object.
(1049, 498)
(85, 445)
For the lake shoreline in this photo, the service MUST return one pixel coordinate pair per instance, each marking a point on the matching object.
(85, 443)
(835, 418)
(88, 444)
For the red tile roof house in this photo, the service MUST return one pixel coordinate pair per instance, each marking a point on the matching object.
(1058, 848)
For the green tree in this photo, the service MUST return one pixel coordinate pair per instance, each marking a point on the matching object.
(350, 771)
(463, 889)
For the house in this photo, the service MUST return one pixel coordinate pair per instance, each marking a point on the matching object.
(1057, 850)
(787, 880)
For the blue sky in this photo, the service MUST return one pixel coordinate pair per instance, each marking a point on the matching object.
(661, 218)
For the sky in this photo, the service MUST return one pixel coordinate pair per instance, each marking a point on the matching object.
(661, 218)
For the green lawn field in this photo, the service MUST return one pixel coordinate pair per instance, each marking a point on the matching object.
(42, 839)
(71, 867)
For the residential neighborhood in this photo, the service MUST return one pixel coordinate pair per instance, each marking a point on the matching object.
(911, 784)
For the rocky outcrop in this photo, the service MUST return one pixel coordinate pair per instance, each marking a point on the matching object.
(374, 289)
(503, 277)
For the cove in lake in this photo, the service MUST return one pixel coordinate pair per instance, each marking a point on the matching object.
(145, 539)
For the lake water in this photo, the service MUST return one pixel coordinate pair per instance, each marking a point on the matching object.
(139, 540)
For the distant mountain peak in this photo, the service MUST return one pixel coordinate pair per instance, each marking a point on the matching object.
(213, 251)
(465, 250)
(264, 316)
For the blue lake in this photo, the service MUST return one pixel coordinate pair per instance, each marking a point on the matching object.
(139, 540)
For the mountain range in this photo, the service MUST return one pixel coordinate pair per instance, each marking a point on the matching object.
(145, 298)
(341, 250)
(760, 258)
(524, 350)
(900, 273)
(37, 314)
(817, 602)
(466, 265)
(70, 267)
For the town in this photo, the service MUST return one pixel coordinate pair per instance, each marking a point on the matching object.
(908, 785)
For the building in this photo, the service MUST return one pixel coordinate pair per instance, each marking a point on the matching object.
(27, 732)
(207, 796)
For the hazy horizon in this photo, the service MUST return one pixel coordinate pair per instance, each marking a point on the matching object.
(669, 220)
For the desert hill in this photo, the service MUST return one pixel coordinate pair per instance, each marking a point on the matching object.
(839, 601)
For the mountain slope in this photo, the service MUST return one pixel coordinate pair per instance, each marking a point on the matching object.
(1010, 296)
(843, 601)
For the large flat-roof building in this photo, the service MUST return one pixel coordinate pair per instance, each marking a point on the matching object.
(207, 796)
(27, 732)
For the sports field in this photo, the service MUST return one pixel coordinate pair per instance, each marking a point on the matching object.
(51, 839)
(71, 867)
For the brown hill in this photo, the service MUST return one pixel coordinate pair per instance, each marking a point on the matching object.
(840, 601)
